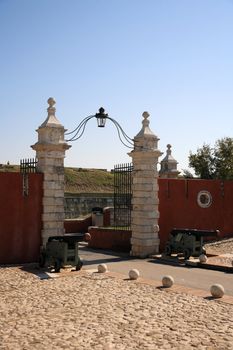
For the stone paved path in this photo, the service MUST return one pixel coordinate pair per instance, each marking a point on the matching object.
(87, 310)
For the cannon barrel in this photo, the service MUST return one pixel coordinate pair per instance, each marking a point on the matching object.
(70, 238)
(196, 232)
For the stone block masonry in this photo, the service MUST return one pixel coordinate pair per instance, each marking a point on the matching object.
(145, 214)
(82, 204)
(50, 152)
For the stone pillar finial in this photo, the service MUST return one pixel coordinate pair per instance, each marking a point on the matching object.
(169, 149)
(168, 165)
(51, 109)
(51, 101)
(145, 115)
(145, 121)
(146, 139)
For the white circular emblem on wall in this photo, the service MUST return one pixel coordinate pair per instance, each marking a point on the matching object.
(204, 199)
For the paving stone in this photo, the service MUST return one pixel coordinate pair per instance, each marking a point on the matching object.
(86, 311)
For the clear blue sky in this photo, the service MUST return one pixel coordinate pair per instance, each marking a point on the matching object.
(172, 58)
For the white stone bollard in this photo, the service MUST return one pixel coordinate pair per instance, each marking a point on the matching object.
(203, 258)
(87, 237)
(102, 268)
(217, 290)
(134, 274)
(167, 281)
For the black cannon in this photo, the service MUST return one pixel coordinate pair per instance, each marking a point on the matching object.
(61, 251)
(189, 242)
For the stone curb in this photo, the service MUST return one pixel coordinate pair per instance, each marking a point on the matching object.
(215, 267)
(228, 299)
(200, 265)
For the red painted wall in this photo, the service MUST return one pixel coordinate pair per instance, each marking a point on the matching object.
(20, 218)
(178, 206)
(77, 225)
(104, 238)
(107, 216)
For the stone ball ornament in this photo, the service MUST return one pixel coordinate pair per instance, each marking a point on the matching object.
(203, 258)
(51, 101)
(217, 291)
(102, 268)
(87, 237)
(145, 115)
(134, 274)
(167, 281)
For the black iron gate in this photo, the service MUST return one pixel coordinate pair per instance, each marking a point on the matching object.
(28, 165)
(122, 195)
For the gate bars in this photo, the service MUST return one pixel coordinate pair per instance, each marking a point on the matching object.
(28, 165)
(122, 195)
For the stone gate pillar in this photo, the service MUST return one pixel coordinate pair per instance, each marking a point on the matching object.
(50, 152)
(145, 214)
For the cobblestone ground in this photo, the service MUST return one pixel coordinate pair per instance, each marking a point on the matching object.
(224, 251)
(221, 247)
(96, 311)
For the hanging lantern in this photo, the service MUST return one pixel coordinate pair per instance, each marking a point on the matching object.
(101, 117)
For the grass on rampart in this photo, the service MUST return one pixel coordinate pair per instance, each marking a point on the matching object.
(7, 168)
(79, 180)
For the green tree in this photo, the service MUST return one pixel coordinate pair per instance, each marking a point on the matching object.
(223, 158)
(187, 174)
(214, 163)
(203, 162)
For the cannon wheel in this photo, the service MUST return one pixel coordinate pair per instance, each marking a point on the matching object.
(79, 265)
(57, 265)
(168, 250)
(203, 251)
(42, 259)
(187, 254)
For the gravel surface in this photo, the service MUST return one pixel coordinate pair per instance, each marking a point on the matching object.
(96, 311)
(224, 246)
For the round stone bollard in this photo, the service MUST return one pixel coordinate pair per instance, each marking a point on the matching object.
(134, 274)
(217, 290)
(167, 281)
(102, 268)
(87, 237)
(203, 258)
